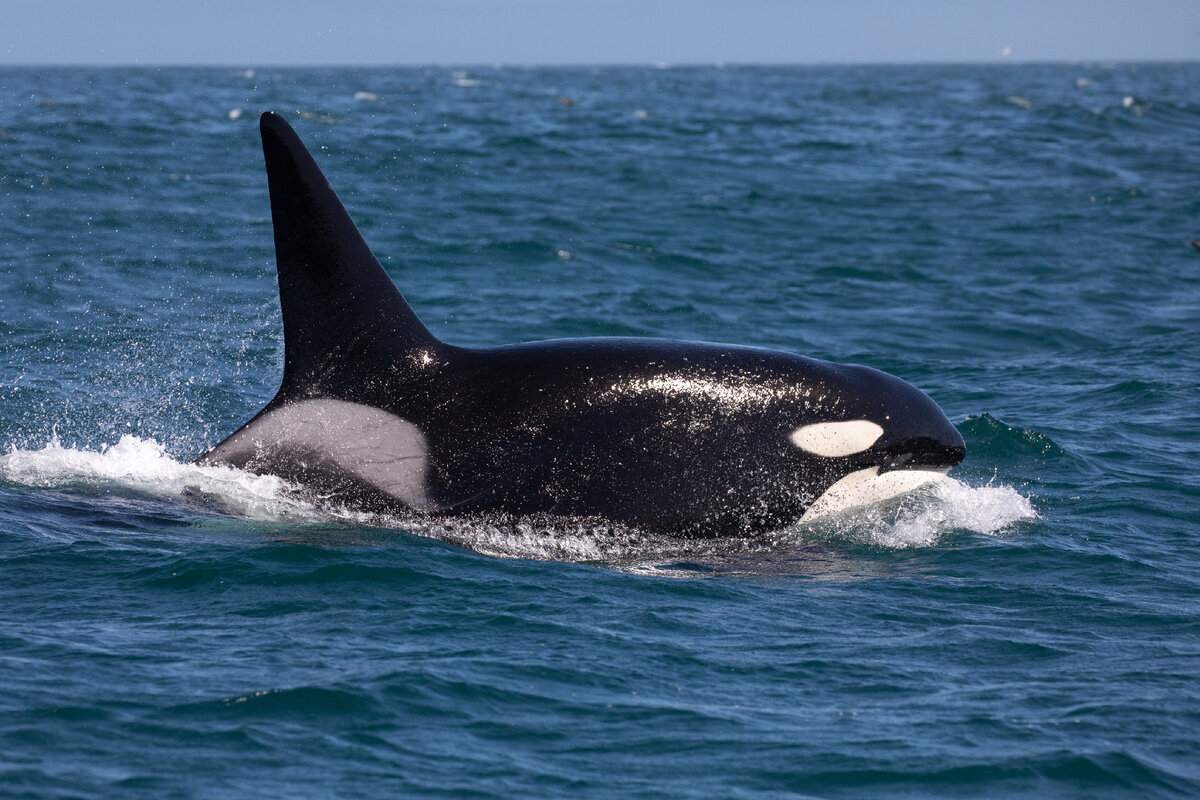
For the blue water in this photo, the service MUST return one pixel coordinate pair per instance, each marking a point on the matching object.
(1013, 240)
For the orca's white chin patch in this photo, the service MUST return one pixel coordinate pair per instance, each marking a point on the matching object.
(867, 486)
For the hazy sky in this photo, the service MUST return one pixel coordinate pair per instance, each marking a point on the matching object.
(275, 32)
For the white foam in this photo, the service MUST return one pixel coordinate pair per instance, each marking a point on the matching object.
(923, 517)
(142, 466)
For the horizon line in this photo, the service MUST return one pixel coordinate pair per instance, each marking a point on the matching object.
(665, 65)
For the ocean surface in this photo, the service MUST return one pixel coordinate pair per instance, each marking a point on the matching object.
(1012, 239)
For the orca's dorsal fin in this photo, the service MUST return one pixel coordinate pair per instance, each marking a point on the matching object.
(342, 315)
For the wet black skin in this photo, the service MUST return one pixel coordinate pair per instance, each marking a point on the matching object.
(677, 437)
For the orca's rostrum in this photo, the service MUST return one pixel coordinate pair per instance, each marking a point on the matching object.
(665, 436)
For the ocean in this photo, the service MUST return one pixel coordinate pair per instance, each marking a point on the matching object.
(1012, 239)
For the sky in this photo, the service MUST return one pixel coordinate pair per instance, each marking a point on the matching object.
(305, 32)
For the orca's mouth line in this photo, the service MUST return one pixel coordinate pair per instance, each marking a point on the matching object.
(933, 456)
(912, 463)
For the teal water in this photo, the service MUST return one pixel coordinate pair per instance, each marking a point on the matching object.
(1013, 240)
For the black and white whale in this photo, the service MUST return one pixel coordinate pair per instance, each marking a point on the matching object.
(664, 436)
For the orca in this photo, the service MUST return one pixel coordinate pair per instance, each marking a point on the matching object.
(662, 436)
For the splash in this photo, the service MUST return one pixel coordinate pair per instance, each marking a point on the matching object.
(924, 517)
(142, 467)
(136, 466)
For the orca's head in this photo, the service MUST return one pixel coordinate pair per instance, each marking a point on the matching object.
(883, 436)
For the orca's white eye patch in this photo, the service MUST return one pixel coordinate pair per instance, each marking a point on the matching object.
(833, 439)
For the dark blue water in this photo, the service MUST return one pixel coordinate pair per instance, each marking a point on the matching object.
(1013, 240)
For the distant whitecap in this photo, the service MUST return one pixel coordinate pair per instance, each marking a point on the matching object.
(459, 78)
